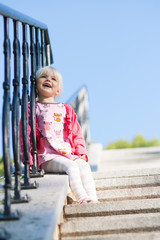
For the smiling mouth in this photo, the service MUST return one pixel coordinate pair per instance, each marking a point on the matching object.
(47, 85)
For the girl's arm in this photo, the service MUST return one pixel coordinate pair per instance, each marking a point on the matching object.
(84, 157)
(78, 139)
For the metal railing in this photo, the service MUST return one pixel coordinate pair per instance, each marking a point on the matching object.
(30, 42)
(29, 36)
(79, 102)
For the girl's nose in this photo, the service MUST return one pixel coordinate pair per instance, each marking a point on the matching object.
(49, 78)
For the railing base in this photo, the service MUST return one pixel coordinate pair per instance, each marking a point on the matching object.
(37, 174)
(24, 199)
(30, 185)
(13, 216)
(4, 235)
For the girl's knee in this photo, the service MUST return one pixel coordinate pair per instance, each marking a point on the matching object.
(72, 167)
(82, 163)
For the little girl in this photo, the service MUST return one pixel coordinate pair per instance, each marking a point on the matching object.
(60, 143)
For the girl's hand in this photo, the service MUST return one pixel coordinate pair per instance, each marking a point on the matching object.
(83, 156)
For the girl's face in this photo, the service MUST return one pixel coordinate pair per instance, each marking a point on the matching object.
(47, 86)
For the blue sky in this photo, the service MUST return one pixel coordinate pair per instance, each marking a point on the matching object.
(112, 46)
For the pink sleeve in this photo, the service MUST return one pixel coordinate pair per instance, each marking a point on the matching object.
(77, 137)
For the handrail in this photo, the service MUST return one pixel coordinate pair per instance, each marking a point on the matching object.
(18, 16)
(75, 94)
(79, 102)
(36, 42)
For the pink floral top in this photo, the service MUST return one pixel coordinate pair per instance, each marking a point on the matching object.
(50, 118)
(57, 133)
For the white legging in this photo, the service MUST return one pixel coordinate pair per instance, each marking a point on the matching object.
(80, 176)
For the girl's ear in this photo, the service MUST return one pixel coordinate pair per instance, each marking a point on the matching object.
(58, 92)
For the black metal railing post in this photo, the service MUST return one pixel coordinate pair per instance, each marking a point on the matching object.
(43, 48)
(48, 52)
(35, 59)
(32, 99)
(25, 106)
(25, 120)
(38, 52)
(15, 119)
(6, 127)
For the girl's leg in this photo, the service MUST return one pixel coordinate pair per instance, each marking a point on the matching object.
(61, 165)
(87, 178)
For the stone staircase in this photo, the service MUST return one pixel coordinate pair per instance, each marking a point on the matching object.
(135, 158)
(129, 205)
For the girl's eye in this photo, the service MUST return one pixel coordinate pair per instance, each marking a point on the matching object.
(54, 79)
(43, 76)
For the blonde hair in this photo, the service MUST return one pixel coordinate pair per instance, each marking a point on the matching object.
(57, 75)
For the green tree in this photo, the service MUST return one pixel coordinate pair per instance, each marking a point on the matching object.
(138, 141)
(1, 167)
(154, 143)
(119, 144)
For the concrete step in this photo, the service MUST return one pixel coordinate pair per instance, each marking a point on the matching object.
(129, 205)
(118, 236)
(104, 166)
(127, 173)
(129, 159)
(136, 153)
(42, 214)
(112, 208)
(99, 226)
(128, 193)
(141, 181)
